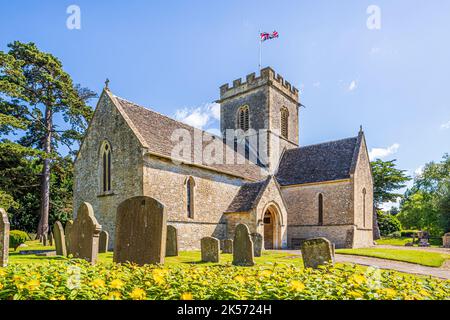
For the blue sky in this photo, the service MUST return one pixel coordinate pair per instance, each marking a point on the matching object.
(172, 56)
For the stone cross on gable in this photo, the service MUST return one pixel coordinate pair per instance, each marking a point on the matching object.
(107, 83)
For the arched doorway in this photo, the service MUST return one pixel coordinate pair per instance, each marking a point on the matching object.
(272, 233)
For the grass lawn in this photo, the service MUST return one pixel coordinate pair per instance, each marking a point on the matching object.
(186, 258)
(426, 258)
(402, 241)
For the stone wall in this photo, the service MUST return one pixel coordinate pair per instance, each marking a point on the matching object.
(107, 124)
(336, 234)
(213, 192)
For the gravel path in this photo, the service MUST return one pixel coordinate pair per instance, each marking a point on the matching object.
(412, 268)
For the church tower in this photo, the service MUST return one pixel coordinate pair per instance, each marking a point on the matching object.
(265, 107)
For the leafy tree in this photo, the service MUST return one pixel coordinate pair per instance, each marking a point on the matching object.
(387, 179)
(388, 224)
(427, 204)
(34, 89)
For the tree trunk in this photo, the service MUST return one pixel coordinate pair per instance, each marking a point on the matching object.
(376, 228)
(43, 227)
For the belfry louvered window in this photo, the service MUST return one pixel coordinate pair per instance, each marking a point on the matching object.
(243, 118)
(106, 167)
(284, 122)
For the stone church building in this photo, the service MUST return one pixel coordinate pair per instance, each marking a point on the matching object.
(297, 192)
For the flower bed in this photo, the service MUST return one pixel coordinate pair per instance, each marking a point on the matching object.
(79, 280)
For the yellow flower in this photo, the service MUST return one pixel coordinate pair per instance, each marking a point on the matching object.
(297, 286)
(355, 294)
(239, 279)
(358, 279)
(17, 278)
(424, 293)
(388, 292)
(187, 296)
(98, 283)
(33, 284)
(114, 295)
(138, 294)
(2, 273)
(1, 286)
(266, 273)
(116, 284)
(159, 276)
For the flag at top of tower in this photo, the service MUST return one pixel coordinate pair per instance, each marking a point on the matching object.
(267, 36)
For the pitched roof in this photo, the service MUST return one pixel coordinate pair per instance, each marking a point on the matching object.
(329, 161)
(248, 196)
(155, 131)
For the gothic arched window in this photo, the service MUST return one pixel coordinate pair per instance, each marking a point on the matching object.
(320, 209)
(106, 166)
(243, 118)
(284, 122)
(190, 184)
(364, 207)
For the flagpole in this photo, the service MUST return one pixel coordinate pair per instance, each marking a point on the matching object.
(260, 50)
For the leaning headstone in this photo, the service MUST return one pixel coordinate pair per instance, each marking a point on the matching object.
(210, 249)
(227, 246)
(103, 241)
(141, 229)
(257, 243)
(84, 234)
(316, 252)
(172, 242)
(44, 240)
(446, 240)
(67, 229)
(60, 239)
(242, 247)
(4, 238)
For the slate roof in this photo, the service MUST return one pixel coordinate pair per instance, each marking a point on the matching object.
(156, 129)
(334, 160)
(248, 196)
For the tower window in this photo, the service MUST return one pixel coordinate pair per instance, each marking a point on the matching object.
(320, 210)
(243, 118)
(190, 197)
(284, 122)
(106, 166)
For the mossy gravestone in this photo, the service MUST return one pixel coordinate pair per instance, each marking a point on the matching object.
(227, 246)
(141, 229)
(316, 252)
(84, 234)
(59, 239)
(242, 247)
(67, 229)
(4, 238)
(210, 249)
(172, 242)
(257, 244)
(103, 242)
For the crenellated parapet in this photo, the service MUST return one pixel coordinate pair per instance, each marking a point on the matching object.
(267, 77)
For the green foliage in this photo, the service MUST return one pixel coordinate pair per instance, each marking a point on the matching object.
(396, 234)
(387, 179)
(408, 233)
(388, 223)
(426, 205)
(16, 238)
(78, 280)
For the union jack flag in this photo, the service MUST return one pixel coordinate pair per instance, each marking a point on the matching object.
(267, 36)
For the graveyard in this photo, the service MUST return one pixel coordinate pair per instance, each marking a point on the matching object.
(74, 263)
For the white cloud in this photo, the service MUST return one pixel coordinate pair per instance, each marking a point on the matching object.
(419, 170)
(199, 117)
(445, 125)
(380, 153)
(352, 85)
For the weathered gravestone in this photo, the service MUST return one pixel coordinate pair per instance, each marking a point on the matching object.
(4, 238)
(446, 240)
(67, 229)
(242, 247)
(227, 246)
(257, 243)
(84, 234)
(60, 239)
(141, 229)
(50, 238)
(316, 252)
(103, 241)
(210, 249)
(172, 242)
